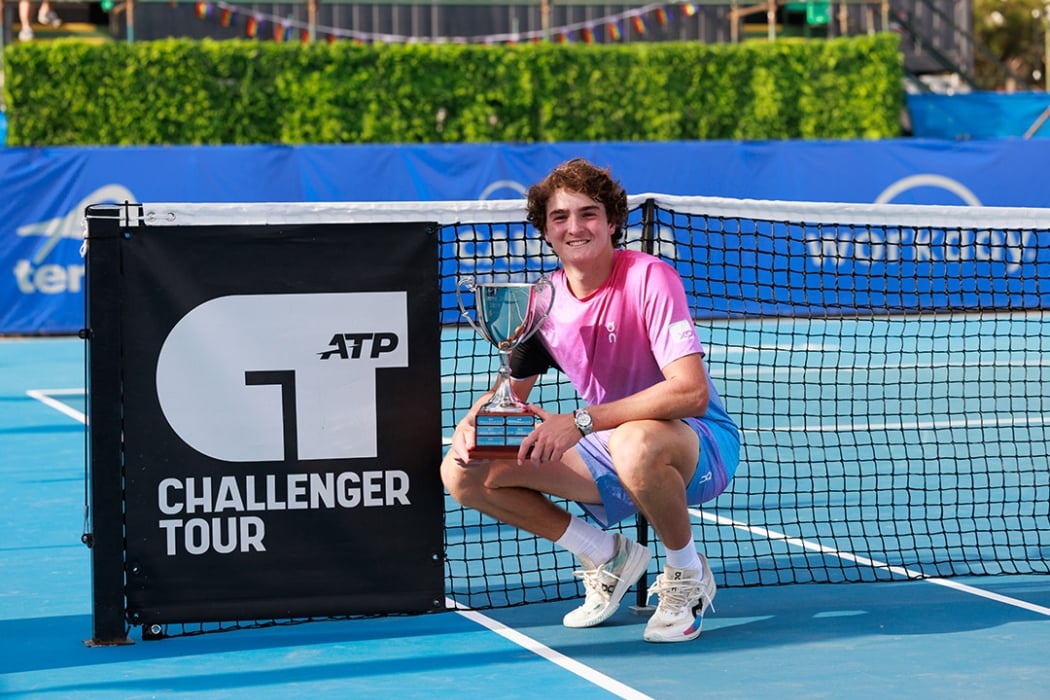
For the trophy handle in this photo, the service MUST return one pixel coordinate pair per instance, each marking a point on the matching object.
(469, 283)
(542, 292)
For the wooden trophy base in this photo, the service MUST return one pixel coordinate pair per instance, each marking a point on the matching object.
(498, 434)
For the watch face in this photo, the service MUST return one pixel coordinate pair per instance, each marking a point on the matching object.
(583, 420)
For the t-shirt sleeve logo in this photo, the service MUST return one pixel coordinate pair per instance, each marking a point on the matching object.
(682, 331)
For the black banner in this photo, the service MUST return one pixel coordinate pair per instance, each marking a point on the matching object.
(281, 421)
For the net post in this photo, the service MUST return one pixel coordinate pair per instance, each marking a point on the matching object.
(641, 525)
(104, 454)
(649, 226)
(641, 589)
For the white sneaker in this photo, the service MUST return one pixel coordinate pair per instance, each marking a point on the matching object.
(606, 584)
(49, 18)
(26, 34)
(683, 600)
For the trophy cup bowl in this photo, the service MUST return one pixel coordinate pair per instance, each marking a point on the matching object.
(506, 314)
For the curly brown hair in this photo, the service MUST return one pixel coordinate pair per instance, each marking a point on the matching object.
(579, 175)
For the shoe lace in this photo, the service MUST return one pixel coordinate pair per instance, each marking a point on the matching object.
(676, 596)
(598, 581)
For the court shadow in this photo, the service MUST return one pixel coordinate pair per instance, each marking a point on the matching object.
(772, 616)
(39, 644)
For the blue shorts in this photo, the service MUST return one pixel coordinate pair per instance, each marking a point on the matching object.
(719, 457)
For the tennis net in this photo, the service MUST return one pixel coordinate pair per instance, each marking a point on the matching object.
(886, 365)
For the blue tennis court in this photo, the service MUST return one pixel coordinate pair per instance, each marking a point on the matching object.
(963, 636)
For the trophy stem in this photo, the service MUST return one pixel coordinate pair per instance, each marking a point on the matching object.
(503, 398)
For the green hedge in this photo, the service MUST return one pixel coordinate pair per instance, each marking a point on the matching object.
(179, 91)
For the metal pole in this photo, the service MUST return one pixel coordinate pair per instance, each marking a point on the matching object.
(641, 524)
(1037, 124)
(104, 403)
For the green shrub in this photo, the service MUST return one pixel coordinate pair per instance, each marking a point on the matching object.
(180, 91)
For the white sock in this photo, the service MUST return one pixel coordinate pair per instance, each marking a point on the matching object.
(592, 544)
(685, 558)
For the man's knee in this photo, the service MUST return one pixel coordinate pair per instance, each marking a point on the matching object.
(638, 447)
(468, 485)
(634, 442)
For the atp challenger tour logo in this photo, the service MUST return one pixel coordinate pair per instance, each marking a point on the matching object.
(276, 378)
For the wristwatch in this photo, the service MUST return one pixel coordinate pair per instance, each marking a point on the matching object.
(583, 421)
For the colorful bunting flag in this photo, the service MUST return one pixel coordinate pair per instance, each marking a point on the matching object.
(284, 29)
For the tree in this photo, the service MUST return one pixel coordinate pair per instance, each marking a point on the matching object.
(1015, 32)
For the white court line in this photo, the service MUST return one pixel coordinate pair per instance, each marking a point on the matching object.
(755, 370)
(587, 673)
(583, 671)
(856, 426)
(865, 561)
(44, 397)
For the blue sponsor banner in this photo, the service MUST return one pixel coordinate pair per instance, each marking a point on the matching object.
(807, 270)
(45, 191)
(980, 115)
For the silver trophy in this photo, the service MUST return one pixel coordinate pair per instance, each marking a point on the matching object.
(506, 314)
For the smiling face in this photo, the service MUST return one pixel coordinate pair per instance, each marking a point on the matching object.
(593, 183)
(578, 229)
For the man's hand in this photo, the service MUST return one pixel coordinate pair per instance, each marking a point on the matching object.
(549, 440)
(463, 439)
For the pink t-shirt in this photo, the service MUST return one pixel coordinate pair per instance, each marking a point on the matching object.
(615, 343)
